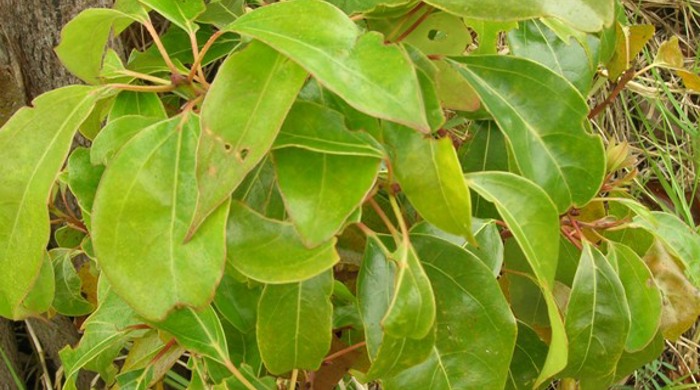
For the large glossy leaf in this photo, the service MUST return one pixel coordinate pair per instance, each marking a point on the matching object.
(294, 324)
(198, 331)
(271, 251)
(597, 321)
(475, 327)
(585, 15)
(322, 190)
(33, 145)
(534, 40)
(643, 296)
(319, 129)
(375, 78)
(241, 116)
(82, 55)
(181, 12)
(375, 289)
(105, 333)
(429, 173)
(142, 212)
(534, 223)
(411, 312)
(550, 142)
(115, 134)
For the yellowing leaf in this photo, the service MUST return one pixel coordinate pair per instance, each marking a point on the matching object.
(629, 42)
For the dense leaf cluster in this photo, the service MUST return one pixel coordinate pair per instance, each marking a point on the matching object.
(273, 187)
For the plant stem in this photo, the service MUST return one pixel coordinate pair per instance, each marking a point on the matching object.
(403, 20)
(164, 53)
(293, 379)
(389, 225)
(196, 66)
(40, 352)
(144, 88)
(146, 77)
(199, 57)
(399, 217)
(624, 79)
(343, 351)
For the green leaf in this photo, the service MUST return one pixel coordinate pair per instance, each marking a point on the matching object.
(490, 249)
(33, 144)
(411, 312)
(181, 12)
(237, 302)
(271, 251)
(375, 7)
(294, 324)
(259, 191)
(534, 222)
(476, 330)
(375, 289)
(198, 331)
(83, 178)
(319, 129)
(105, 334)
(84, 38)
(220, 13)
(550, 142)
(68, 299)
(39, 298)
(678, 238)
(375, 78)
(241, 116)
(489, 32)
(631, 362)
(585, 15)
(429, 173)
(534, 40)
(137, 103)
(322, 190)
(528, 359)
(643, 296)
(68, 237)
(115, 135)
(149, 191)
(597, 321)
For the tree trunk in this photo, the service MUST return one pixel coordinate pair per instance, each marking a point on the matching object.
(29, 31)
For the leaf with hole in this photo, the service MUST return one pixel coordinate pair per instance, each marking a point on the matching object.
(241, 115)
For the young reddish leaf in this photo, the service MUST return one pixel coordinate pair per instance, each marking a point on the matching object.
(241, 116)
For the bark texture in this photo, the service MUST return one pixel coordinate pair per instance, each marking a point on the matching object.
(29, 31)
